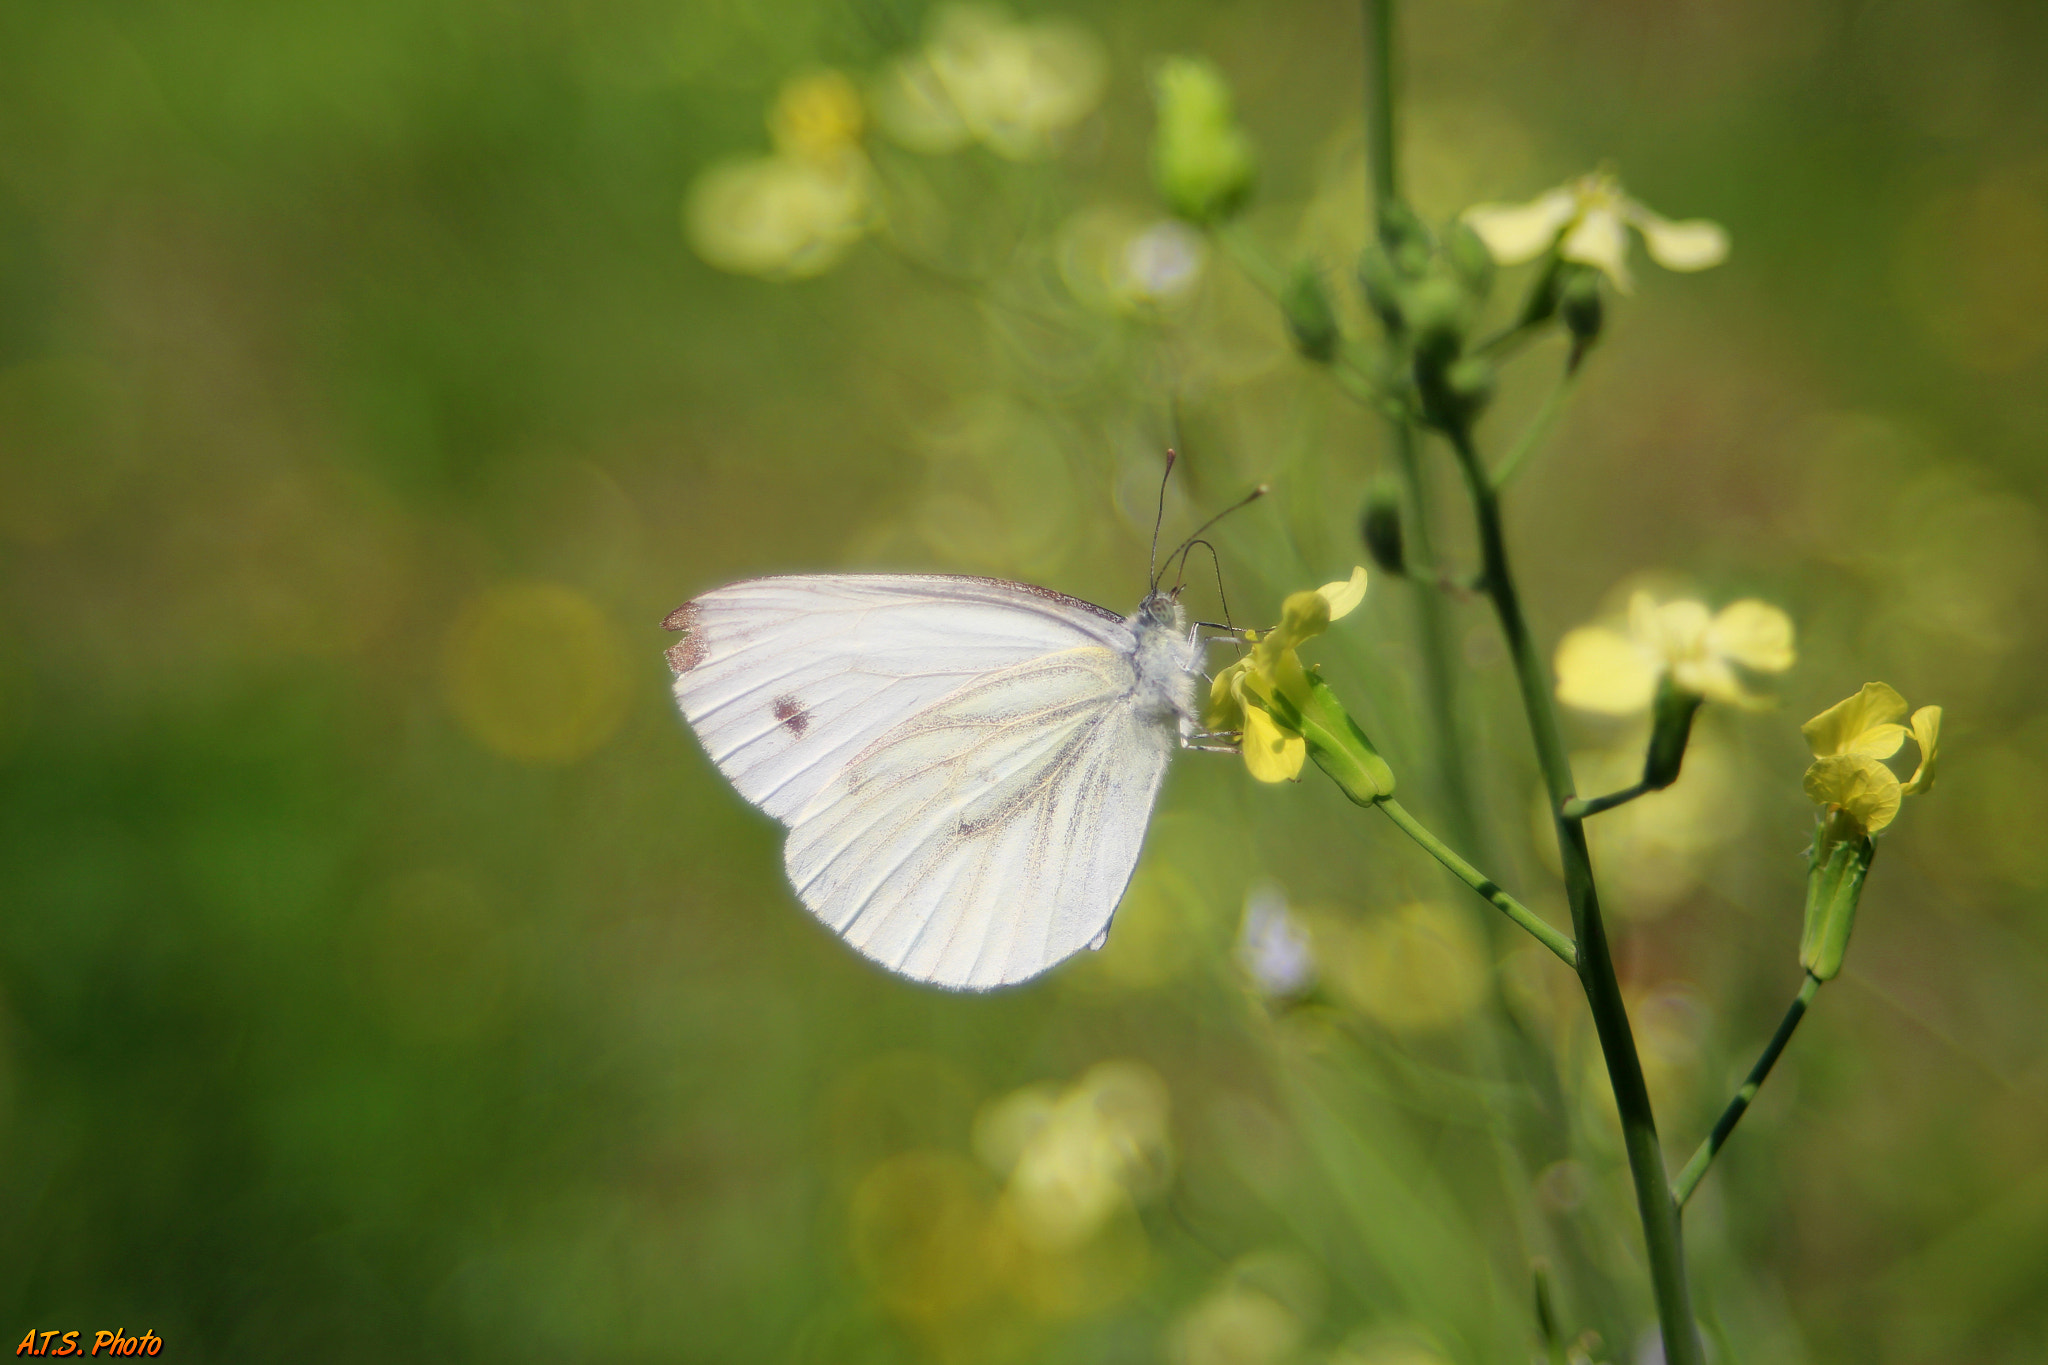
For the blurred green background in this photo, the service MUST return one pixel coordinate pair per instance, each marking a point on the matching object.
(383, 969)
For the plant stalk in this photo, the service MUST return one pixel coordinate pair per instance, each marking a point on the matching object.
(1487, 888)
(1695, 1169)
(1662, 1230)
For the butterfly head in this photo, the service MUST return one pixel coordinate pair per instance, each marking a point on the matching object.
(1161, 607)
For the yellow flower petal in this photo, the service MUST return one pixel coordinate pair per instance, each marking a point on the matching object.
(1865, 724)
(1926, 734)
(1345, 596)
(1671, 631)
(1709, 676)
(1514, 233)
(1602, 670)
(1754, 634)
(1695, 244)
(1303, 616)
(1271, 753)
(1598, 239)
(1858, 784)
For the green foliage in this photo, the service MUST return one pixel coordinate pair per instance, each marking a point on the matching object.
(384, 972)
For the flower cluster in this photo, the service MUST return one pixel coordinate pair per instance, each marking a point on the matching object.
(1262, 695)
(794, 213)
(1015, 88)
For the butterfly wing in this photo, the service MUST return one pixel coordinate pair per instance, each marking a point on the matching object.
(966, 783)
(786, 679)
(992, 834)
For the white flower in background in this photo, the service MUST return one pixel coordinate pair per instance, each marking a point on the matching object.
(1587, 220)
(1117, 261)
(984, 77)
(1616, 672)
(1274, 946)
(792, 214)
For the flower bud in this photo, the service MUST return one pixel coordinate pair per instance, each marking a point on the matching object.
(1839, 861)
(1470, 260)
(1380, 526)
(1405, 237)
(1310, 318)
(1439, 313)
(1201, 158)
(1453, 396)
(1382, 288)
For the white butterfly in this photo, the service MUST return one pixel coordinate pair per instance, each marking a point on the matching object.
(966, 765)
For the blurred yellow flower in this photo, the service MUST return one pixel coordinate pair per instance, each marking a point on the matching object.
(1587, 220)
(984, 77)
(1849, 741)
(1239, 698)
(817, 115)
(792, 214)
(1422, 967)
(1616, 672)
(1074, 1157)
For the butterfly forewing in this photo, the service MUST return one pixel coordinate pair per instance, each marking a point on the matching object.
(963, 763)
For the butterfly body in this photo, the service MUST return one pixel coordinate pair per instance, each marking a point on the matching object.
(966, 765)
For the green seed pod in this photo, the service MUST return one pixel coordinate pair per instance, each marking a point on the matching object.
(1201, 159)
(1670, 732)
(1310, 318)
(1840, 860)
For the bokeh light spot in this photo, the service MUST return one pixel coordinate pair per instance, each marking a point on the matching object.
(536, 672)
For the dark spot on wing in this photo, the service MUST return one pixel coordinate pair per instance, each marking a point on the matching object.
(687, 653)
(791, 712)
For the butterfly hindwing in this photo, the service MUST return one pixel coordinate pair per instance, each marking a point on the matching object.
(992, 834)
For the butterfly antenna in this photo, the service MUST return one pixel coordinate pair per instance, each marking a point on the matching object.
(1242, 503)
(1152, 569)
(1215, 559)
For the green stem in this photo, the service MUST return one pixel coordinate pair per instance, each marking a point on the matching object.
(1695, 1169)
(1662, 1231)
(1537, 431)
(1380, 145)
(1578, 808)
(1488, 889)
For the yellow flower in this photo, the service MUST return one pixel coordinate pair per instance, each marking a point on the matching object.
(983, 77)
(1070, 1157)
(1241, 697)
(793, 214)
(1849, 741)
(1587, 221)
(1616, 672)
(817, 115)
